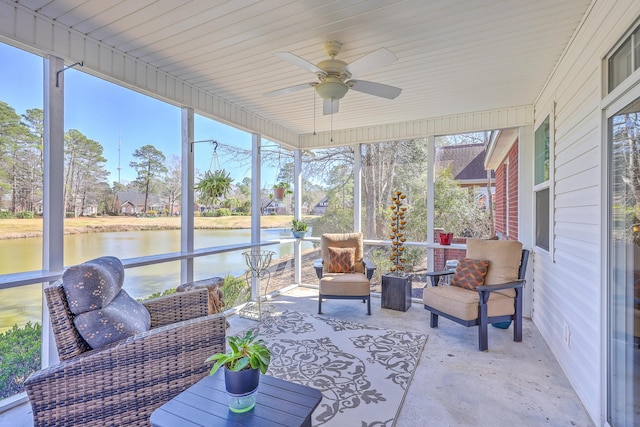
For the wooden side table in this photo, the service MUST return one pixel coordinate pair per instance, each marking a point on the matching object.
(396, 292)
(278, 403)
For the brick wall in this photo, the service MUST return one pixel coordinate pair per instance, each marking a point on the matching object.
(501, 199)
(513, 193)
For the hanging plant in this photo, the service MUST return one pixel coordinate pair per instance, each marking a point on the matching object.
(398, 222)
(213, 186)
(280, 190)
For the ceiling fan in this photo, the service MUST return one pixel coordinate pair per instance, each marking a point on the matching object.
(335, 76)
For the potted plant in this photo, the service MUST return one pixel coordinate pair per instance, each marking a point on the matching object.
(247, 357)
(299, 228)
(280, 190)
(445, 238)
(396, 285)
(213, 186)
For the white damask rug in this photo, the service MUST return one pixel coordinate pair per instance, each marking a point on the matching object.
(363, 372)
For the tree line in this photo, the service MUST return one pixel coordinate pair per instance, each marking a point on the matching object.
(86, 180)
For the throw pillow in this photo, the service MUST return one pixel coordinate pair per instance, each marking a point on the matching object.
(121, 318)
(92, 284)
(470, 273)
(341, 260)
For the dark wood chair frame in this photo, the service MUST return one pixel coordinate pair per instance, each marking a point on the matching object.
(483, 321)
(369, 268)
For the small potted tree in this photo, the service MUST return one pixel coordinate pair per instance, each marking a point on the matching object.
(247, 357)
(299, 228)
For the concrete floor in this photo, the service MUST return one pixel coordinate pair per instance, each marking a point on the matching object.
(454, 384)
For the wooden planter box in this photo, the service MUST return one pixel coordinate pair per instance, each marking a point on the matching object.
(396, 292)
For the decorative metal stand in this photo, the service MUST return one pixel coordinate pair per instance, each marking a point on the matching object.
(258, 262)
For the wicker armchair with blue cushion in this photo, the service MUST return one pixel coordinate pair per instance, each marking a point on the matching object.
(119, 359)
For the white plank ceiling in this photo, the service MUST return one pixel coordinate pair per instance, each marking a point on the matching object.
(454, 56)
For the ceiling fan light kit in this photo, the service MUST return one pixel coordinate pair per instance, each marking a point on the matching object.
(334, 75)
(332, 88)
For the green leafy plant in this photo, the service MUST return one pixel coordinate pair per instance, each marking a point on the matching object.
(235, 291)
(284, 185)
(214, 185)
(299, 225)
(283, 188)
(19, 356)
(246, 352)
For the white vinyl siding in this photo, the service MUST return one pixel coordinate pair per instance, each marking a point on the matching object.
(569, 288)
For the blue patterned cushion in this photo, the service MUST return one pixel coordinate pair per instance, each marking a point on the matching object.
(121, 318)
(92, 284)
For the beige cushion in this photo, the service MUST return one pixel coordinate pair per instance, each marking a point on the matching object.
(463, 303)
(504, 258)
(343, 240)
(503, 255)
(348, 284)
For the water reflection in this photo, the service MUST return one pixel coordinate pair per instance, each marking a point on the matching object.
(21, 304)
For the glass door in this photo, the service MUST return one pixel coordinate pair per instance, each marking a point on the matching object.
(623, 376)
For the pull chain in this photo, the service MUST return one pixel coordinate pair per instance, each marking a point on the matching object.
(331, 135)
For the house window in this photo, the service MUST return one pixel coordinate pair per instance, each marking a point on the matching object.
(541, 184)
(625, 60)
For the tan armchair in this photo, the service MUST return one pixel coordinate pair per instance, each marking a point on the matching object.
(344, 280)
(121, 383)
(498, 300)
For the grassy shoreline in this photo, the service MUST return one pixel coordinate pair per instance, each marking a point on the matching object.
(25, 228)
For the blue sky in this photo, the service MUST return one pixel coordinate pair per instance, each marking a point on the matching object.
(109, 113)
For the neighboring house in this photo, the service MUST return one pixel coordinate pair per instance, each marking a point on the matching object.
(321, 207)
(466, 162)
(132, 203)
(271, 206)
(467, 166)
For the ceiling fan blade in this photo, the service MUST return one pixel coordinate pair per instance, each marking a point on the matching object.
(372, 61)
(376, 89)
(300, 62)
(290, 89)
(330, 106)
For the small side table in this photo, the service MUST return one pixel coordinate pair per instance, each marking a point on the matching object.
(396, 292)
(278, 402)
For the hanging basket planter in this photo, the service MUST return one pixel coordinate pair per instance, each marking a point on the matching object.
(280, 190)
(278, 193)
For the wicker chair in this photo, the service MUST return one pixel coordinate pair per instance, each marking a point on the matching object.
(122, 383)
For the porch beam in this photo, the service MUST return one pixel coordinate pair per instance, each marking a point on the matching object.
(187, 200)
(53, 197)
(256, 200)
(446, 125)
(357, 188)
(297, 214)
(431, 175)
(526, 205)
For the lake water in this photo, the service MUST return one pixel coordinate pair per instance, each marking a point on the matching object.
(19, 305)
